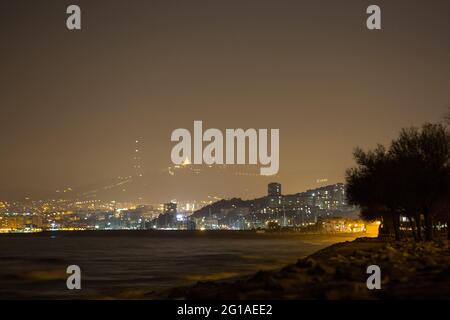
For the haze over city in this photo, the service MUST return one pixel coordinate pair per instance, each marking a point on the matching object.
(219, 158)
(73, 104)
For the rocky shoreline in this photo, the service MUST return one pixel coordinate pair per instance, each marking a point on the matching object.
(409, 270)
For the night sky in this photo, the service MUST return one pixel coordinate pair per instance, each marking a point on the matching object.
(72, 103)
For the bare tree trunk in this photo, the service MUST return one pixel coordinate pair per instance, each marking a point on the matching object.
(419, 227)
(448, 226)
(413, 228)
(396, 225)
(428, 225)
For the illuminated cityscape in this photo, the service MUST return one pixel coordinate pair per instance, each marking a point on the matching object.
(197, 151)
(270, 211)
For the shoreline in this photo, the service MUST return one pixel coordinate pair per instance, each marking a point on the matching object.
(187, 233)
(408, 271)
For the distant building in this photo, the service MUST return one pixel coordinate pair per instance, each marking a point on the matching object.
(20, 221)
(169, 215)
(292, 210)
(274, 197)
(336, 225)
(190, 225)
(328, 197)
(170, 208)
(274, 189)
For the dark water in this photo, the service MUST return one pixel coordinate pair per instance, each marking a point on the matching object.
(133, 264)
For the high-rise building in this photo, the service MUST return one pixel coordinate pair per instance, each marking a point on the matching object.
(274, 198)
(274, 189)
(170, 208)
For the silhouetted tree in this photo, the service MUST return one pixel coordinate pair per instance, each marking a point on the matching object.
(370, 185)
(422, 157)
(409, 179)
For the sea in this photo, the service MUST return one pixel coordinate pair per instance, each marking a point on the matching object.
(142, 264)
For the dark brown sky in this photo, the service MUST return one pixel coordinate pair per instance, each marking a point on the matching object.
(72, 103)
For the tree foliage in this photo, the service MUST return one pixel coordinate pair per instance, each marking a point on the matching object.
(409, 179)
